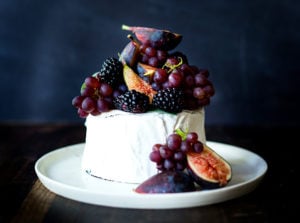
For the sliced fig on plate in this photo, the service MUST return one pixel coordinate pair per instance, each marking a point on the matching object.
(208, 168)
(167, 182)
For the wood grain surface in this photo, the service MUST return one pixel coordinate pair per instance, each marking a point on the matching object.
(25, 199)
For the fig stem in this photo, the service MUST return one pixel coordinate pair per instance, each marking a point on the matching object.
(130, 37)
(125, 27)
(135, 42)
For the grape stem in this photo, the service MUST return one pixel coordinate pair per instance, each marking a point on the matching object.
(182, 133)
(173, 66)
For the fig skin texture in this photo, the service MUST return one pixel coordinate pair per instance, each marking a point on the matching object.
(157, 38)
(130, 54)
(167, 182)
(208, 169)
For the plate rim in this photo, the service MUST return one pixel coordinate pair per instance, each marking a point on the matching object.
(57, 186)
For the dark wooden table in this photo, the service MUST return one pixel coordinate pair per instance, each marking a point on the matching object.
(25, 199)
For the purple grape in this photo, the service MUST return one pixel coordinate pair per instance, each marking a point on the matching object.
(186, 69)
(87, 91)
(179, 156)
(172, 61)
(155, 86)
(81, 113)
(102, 105)
(200, 80)
(76, 101)
(209, 90)
(199, 93)
(165, 152)
(166, 85)
(161, 55)
(105, 90)
(116, 93)
(185, 146)
(155, 156)
(175, 79)
(189, 81)
(174, 141)
(92, 82)
(150, 51)
(160, 76)
(144, 59)
(153, 61)
(192, 137)
(198, 147)
(204, 72)
(88, 104)
(156, 147)
(169, 164)
(95, 112)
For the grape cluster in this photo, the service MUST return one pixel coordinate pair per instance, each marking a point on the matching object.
(177, 84)
(172, 155)
(172, 70)
(95, 97)
(152, 56)
(193, 81)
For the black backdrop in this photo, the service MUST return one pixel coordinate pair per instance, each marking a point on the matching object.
(251, 48)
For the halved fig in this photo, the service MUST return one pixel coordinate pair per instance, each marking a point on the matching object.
(130, 54)
(208, 168)
(135, 82)
(167, 182)
(157, 38)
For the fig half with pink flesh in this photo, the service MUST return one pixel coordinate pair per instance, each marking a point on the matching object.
(208, 168)
(135, 82)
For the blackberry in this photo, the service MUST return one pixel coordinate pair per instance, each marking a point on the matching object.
(169, 99)
(132, 101)
(111, 71)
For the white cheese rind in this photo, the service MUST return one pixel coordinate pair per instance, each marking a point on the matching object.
(118, 143)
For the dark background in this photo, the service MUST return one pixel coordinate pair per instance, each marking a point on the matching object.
(251, 48)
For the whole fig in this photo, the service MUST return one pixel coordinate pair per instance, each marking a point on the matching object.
(167, 182)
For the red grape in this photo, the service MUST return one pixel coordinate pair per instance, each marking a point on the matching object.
(92, 82)
(88, 104)
(192, 137)
(174, 141)
(155, 156)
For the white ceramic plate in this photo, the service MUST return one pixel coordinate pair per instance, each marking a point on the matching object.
(60, 172)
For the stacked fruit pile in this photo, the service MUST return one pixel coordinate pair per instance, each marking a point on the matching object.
(182, 161)
(173, 154)
(147, 75)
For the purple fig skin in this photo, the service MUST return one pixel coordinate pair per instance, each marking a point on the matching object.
(157, 38)
(130, 54)
(204, 184)
(200, 176)
(167, 182)
(164, 40)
